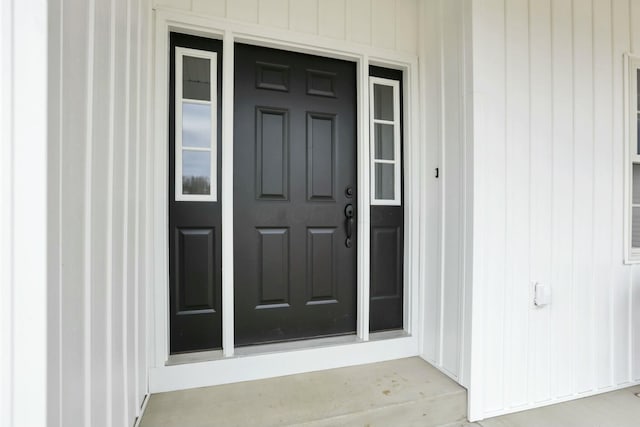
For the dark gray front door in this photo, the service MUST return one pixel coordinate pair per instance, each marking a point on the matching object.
(294, 196)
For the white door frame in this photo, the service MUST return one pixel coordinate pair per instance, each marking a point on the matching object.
(273, 360)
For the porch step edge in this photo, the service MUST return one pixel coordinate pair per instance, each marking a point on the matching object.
(449, 409)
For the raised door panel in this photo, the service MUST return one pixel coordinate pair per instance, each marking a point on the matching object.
(386, 262)
(272, 153)
(321, 265)
(321, 139)
(273, 280)
(272, 76)
(196, 265)
(321, 83)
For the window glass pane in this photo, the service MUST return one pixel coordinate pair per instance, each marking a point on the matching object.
(636, 184)
(638, 90)
(635, 228)
(382, 102)
(196, 74)
(196, 125)
(638, 133)
(384, 141)
(196, 172)
(384, 181)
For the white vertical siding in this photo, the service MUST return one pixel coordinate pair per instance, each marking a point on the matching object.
(98, 192)
(241, 10)
(359, 24)
(444, 57)
(540, 202)
(23, 213)
(548, 184)
(274, 13)
(388, 24)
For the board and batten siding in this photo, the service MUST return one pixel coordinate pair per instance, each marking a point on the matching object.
(98, 186)
(387, 24)
(548, 203)
(445, 59)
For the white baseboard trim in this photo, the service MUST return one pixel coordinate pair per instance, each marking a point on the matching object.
(142, 409)
(260, 366)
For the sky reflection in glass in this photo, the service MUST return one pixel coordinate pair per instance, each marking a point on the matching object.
(196, 125)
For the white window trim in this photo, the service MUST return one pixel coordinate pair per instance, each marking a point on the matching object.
(632, 65)
(397, 160)
(180, 53)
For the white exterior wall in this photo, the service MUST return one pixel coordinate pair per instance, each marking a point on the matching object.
(97, 209)
(386, 24)
(549, 144)
(445, 59)
(23, 213)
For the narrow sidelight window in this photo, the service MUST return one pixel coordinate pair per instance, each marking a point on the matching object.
(195, 127)
(632, 164)
(385, 141)
(386, 273)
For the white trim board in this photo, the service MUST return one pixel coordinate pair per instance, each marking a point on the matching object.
(296, 361)
(268, 365)
(25, 213)
(631, 65)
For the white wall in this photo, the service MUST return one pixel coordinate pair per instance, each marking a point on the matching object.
(23, 151)
(549, 140)
(445, 59)
(98, 169)
(387, 24)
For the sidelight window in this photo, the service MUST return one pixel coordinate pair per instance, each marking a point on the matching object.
(385, 141)
(632, 206)
(195, 125)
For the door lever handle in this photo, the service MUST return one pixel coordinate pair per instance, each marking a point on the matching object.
(349, 224)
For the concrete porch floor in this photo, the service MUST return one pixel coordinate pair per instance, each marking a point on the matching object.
(406, 392)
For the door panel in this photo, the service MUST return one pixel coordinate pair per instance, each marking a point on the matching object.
(274, 267)
(195, 271)
(321, 265)
(294, 157)
(272, 153)
(321, 141)
(196, 281)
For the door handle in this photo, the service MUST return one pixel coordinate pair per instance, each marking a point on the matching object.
(349, 224)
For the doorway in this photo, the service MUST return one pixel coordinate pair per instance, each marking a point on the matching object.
(295, 196)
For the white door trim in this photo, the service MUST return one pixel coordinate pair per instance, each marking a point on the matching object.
(163, 377)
